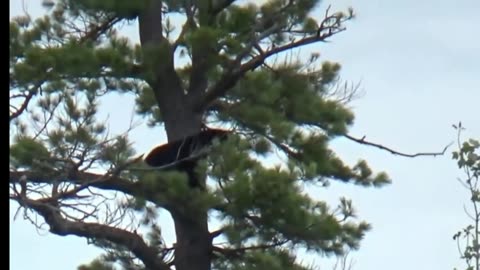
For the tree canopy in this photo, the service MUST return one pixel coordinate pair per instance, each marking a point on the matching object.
(199, 65)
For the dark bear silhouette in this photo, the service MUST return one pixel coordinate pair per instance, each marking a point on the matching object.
(183, 154)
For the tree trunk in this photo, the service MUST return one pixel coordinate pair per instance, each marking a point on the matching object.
(193, 247)
(193, 244)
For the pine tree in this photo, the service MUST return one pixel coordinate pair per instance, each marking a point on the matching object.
(236, 75)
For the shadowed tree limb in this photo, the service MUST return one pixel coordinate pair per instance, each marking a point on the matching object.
(86, 179)
(61, 226)
(98, 30)
(165, 82)
(238, 252)
(221, 5)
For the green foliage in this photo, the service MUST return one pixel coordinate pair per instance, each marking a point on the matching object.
(96, 265)
(120, 8)
(468, 160)
(256, 260)
(268, 205)
(26, 151)
(271, 101)
(67, 61)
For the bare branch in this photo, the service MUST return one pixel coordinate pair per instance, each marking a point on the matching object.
(343, 263)
(344, 92)
(25, 103)
(395, 152)
(61, 226)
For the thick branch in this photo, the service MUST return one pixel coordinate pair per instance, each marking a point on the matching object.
(151, 36)
(99, 181)
(61, 226)
(200, 64)
(221, 5)
(165, 81)
(150, 23)
(237, 252)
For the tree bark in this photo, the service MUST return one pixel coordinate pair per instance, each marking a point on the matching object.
(61, 226)
(193, 243)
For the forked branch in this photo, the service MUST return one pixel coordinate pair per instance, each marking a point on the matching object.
(330, 25)
(61, 226)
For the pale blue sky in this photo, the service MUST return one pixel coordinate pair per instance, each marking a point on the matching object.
(418, 65)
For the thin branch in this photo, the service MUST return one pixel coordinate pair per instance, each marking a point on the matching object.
(181, 37)
(61, 226)
(25, 103)
(395, 152)
(216, 233)
(189, 24)
(107, 176)
(47, 120)
(232, 75)
(90, 35)
(98, 30)
(468, 213)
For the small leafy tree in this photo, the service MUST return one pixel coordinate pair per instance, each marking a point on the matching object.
(468, 160)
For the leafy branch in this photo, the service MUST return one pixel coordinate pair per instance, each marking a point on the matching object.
(331, 24)
(62, 226)
(468, 159)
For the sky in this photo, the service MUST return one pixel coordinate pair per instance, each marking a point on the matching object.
(418, 65)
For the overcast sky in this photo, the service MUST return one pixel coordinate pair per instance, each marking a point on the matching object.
(418, 64)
